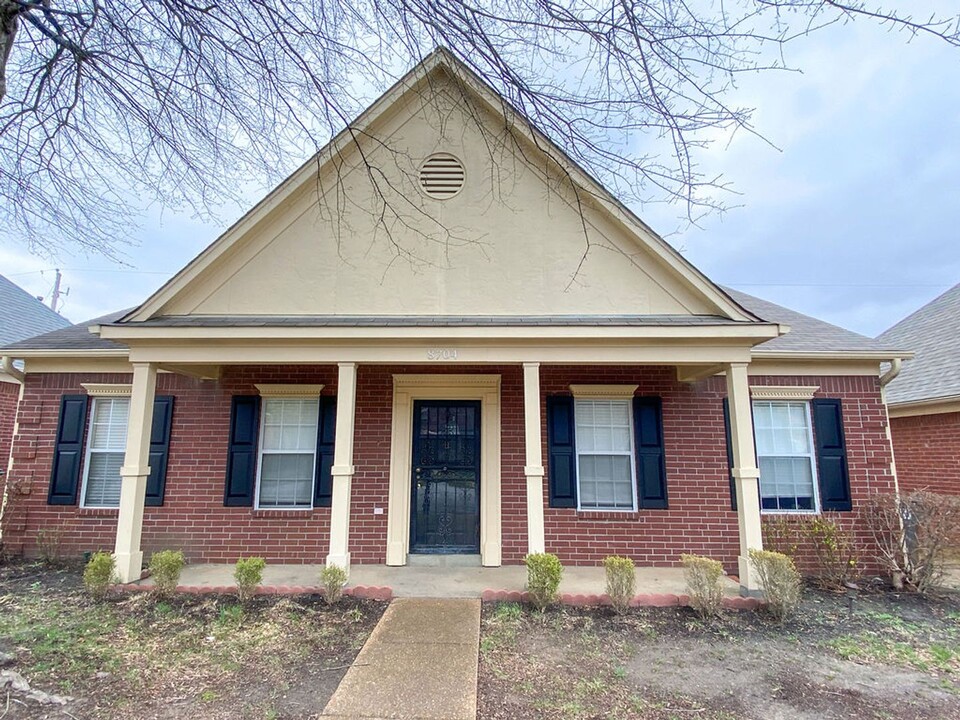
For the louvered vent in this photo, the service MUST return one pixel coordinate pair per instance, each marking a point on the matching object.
(441, 176)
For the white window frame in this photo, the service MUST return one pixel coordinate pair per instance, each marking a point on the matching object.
(632, 455)
(88, 447)
(811, 456)
(313, 474)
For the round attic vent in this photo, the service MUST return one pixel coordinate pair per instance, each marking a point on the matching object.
(441, 176)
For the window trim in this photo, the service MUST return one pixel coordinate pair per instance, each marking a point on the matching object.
(811, 456)
(308, 395)
(88, 447)
(632, 456)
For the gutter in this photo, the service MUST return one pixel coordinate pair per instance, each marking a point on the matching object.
(6, 366)
(896, 365)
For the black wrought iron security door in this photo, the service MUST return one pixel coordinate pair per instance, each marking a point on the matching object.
(446, 477)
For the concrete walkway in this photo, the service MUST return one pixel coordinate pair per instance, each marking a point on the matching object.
(419, 663)
(446, 582)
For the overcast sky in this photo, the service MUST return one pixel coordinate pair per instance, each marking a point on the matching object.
(854, 218)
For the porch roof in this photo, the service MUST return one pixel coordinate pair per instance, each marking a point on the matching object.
(218, 321)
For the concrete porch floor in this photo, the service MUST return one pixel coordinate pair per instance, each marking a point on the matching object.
(448, 581)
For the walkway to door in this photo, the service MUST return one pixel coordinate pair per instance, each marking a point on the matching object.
(419, 662)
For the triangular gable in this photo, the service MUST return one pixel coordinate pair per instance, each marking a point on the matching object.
(282, 259)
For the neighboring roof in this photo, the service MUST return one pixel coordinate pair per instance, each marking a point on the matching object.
(809, 334)
(933, 332)
(74, 337)
(22, 315)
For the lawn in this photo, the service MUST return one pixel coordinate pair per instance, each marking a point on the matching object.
(132, 656)
(877, 656)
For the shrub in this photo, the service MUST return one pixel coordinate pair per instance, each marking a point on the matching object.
(836, 558)
(621, 581)
(165, 567)
(913, 534)
(249, 575)
(780, 580)
(543, 578)
(99, 574)
(48, 544)
(334, 579)
(780, 534)
(704, 586)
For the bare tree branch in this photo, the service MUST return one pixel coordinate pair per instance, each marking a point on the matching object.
(105, 105)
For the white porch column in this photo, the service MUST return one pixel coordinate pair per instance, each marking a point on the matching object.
(534, 456)
(134, 473)
(745, 472)
(342, 470)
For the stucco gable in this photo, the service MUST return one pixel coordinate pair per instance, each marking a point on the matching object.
(529, 234)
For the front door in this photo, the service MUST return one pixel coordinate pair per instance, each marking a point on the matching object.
(446, 477)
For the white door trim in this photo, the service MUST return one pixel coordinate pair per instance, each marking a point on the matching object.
(406, 389)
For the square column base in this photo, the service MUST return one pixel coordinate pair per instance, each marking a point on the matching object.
(129, 566)
(749, 584)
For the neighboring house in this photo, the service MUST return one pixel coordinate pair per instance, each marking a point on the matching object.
(21, 316)
(323, 385)
(924, 400)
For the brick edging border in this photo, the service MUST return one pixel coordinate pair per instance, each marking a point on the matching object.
(363, 592)
(645, 600)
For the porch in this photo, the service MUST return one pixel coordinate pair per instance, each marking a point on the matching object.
(501, 389)
(447, 581)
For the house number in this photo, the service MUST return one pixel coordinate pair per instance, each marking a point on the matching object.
(442, 354)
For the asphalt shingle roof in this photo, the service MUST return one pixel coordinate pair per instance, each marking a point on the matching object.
(807, 334)
(23, 316)
(933, 332)
(74, 337)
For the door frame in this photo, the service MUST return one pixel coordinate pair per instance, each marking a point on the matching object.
(406, 389)
(416, 437)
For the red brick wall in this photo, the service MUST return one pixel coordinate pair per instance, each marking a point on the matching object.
(927, 450)
(9, 395)
(193, 517)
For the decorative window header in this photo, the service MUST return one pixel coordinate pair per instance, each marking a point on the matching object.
(107, 389)
(266, 390)
(783, 392)
(603, 391)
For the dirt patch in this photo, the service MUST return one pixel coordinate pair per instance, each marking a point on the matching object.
(874, 656)
(187, 657)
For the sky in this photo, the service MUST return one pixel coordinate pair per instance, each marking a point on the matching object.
(853, 216)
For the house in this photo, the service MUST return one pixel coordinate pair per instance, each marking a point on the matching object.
(21, 316)
(924, 400)
(456, 342)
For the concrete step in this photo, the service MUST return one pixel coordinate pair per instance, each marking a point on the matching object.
(437, 560)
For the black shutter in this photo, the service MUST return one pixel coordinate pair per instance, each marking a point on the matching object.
(562, 452)
(242, 457)
(68, 451)
(726, 429)
(159, 448)
(831, 454)
(651, 464)
(326, 434)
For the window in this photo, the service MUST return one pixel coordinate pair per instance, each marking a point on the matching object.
(288, 446)
(788, 470)
(605, 466)
(106, 442)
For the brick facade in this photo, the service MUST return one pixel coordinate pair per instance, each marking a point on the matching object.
(699, 518)
(927, 449)
(9, 395)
